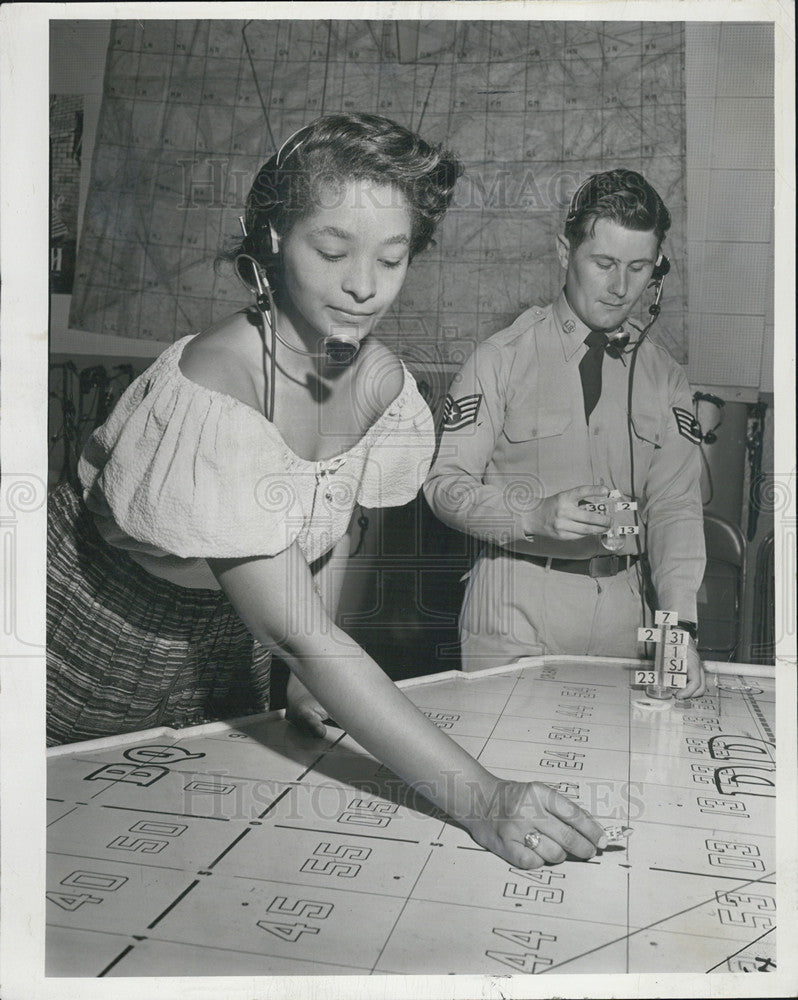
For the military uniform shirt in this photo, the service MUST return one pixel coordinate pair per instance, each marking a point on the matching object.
(515, 432)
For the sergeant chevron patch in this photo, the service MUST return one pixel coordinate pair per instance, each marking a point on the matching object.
(688, 426)
(461, 412)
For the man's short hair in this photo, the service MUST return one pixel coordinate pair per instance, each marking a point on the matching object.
(622, 196)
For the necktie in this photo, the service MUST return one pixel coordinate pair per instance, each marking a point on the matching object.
(590, 370)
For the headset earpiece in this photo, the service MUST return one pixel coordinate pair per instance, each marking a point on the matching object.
(274, 239)
(661, 268)
(253, 277)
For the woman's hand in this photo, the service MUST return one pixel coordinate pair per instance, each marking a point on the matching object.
(303, 710)
(276, 598)
(529, 825)
(562, 517)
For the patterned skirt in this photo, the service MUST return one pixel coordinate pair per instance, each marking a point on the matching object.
(129, 651)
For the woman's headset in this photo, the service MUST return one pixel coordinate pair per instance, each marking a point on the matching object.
(340, 348)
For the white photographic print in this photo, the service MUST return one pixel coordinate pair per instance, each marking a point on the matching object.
(398, 500)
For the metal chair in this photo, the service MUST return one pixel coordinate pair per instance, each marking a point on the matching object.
(720, 599)
(763, 628)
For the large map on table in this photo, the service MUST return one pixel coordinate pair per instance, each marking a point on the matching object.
(191, 109)
(249, 849)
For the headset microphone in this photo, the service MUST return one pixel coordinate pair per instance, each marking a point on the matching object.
(661, 268)
(617, 344)
(341, 348)
(616, 348)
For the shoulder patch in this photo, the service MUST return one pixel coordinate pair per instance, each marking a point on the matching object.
(687, 424)
(460, 412)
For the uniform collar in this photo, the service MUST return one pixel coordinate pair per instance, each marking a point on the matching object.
(571, 329)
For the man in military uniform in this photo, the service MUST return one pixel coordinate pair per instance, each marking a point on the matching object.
(536, 435)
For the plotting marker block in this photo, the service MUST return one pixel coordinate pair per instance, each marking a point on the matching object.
(645, 676)
(615, 834)
(676, 666)
(676, 680)
(677, 636)
(610, 504)
(670, 662)
(649, 634)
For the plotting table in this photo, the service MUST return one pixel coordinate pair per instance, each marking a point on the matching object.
(249, 849)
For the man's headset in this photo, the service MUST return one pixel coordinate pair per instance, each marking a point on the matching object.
(619, 344)
(662, 268)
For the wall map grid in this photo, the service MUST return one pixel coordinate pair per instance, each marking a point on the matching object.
(192, 108)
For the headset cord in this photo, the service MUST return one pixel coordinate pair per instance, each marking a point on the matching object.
(647, 586)
(710, 483)
(644, 583)
(269, 320)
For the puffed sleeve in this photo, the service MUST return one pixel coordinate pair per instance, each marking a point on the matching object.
(400, 451)
(190, 471)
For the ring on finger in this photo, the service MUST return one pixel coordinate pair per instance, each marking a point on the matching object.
(532, 840)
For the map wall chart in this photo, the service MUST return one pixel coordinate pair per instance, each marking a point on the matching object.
(191, 109)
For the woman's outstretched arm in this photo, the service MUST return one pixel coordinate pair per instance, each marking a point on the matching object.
(276, 599)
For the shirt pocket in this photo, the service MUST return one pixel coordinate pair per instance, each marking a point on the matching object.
(519, 427)
(647, 427)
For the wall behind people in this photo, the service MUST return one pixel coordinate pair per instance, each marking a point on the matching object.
(191, 109)
(729, 76)
(728, 169)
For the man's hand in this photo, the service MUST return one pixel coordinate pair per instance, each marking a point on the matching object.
(695, 674)
(561, 517)
(303, 710)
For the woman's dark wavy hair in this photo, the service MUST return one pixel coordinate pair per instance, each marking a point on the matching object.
(328, 153)
(622, 196)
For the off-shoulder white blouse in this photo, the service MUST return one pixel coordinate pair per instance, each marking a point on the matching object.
(180, 473)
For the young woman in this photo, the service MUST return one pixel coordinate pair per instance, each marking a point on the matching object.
(219, 491)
